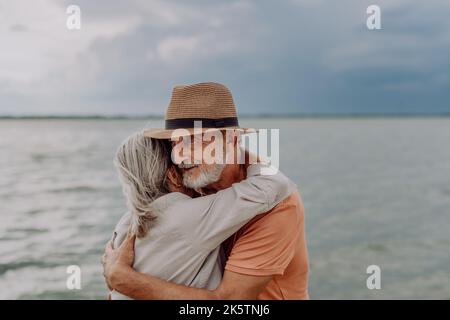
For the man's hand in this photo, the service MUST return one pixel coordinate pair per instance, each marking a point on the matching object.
(115, 261)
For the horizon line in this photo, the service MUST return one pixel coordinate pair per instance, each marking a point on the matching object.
(247, 116)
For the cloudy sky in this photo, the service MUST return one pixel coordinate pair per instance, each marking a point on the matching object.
(284, 56)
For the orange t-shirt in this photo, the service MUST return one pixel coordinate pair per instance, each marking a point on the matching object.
(274, 244)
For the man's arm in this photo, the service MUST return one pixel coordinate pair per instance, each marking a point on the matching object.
(234, 286)
(120, 276)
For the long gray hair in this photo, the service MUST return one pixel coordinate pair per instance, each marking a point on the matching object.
(142, 163)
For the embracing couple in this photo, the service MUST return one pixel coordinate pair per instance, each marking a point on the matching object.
(202, 230)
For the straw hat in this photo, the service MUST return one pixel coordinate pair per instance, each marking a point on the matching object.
(208, 102)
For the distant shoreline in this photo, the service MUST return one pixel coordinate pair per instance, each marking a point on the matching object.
(244, 116)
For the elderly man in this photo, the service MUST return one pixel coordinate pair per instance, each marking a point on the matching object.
(266, 259)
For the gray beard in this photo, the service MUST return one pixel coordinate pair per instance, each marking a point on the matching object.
(204, 179)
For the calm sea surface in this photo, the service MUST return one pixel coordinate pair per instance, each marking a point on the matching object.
(376, 191)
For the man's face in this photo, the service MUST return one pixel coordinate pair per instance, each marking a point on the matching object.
(196, 173)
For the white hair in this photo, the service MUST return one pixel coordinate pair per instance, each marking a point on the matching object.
(206, 176)
(142, 163)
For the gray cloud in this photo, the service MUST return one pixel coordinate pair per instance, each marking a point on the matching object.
(298, 56)
(18, 28)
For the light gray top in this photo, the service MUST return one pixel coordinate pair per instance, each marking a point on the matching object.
(183, 246)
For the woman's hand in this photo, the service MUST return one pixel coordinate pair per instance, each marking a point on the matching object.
(115, 261)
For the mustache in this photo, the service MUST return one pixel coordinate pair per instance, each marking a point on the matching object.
(187, 165)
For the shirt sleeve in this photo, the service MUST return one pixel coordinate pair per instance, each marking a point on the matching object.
(268, 245)
(121, 229)
(214, 218)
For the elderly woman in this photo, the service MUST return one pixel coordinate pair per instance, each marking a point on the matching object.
(178, 236)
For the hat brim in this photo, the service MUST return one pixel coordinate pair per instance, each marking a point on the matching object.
(176, 133)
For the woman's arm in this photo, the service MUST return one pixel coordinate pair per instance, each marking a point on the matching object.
(140, 286)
